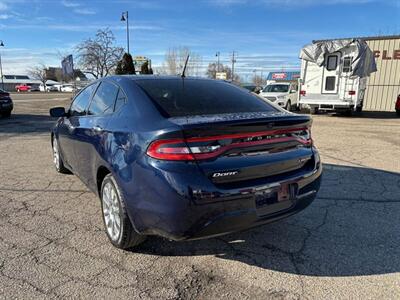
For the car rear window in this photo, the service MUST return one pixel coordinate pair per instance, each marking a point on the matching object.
(189, 97)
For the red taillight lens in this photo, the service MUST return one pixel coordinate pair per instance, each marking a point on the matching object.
(352, 93)
(176, 149)
(302, 93)
(211, 147)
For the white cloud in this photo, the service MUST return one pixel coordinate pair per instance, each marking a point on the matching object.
(3, 6)
(78, 8)
(295, 3)
(70, 4)
(4, 17)
(84, 11)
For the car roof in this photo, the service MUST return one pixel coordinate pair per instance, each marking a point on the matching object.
(158, 77)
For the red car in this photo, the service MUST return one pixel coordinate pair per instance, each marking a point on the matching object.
(22, 88)
(397, 107)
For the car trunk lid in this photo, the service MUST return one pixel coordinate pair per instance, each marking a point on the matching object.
(240, 147)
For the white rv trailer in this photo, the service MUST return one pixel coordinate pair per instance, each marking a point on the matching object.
(334, 75)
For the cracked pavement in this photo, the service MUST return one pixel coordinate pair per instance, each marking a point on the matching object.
(345, 245)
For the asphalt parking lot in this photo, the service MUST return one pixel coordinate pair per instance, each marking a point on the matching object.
(345, 245)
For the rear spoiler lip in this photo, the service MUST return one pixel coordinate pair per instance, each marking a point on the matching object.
(199, 120)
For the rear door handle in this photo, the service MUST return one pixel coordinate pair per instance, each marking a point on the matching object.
(97, 128)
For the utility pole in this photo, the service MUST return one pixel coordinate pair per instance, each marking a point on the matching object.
(1, 67)
(233, 65)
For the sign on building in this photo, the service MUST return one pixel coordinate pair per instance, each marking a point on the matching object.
(67, 65)
(221, 75)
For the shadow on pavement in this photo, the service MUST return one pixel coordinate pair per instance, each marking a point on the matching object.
(26, 123)
(351, 229)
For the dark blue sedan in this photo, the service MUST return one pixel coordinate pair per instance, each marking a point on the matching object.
(185, 158)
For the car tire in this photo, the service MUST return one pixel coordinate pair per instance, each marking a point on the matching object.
(398, 112)
(114, 211)
(6, 114)
(359, 109)
(288, 106)
(57, 160)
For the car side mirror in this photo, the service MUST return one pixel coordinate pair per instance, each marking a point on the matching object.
(57, 112)
(293, 91)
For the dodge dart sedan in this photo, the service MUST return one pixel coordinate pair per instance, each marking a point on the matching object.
(185, 158)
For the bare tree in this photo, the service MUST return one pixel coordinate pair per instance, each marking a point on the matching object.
(39, 72)
(258, 80)
(212, 71)
(99, 56)
(175, 60)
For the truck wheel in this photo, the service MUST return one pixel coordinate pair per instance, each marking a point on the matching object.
(349, 112)
(288, 106)
(314, 110)
(115, 217)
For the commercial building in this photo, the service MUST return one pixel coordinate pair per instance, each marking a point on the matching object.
(138, 61)
(10, 81)
(283, 76)
(383, 86)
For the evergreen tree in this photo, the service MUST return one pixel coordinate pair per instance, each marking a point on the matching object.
(145, 68)
(125, 65)
(118, 69)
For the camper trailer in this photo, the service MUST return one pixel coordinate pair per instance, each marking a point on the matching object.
(334, 75)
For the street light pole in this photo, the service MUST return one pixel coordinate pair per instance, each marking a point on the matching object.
(125, 17)
(217, 55)
(1, 67)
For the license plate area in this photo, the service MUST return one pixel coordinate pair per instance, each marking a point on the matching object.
(274, 200)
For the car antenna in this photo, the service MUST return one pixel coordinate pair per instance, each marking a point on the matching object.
(184, 67)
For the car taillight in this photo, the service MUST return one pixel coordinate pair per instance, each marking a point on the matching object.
(175, 149)
(302, 93)
(352, 93)
(210, 147)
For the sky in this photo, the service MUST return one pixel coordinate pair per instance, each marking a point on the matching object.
(267, 35)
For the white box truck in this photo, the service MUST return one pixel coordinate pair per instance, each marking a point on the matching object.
(334, 74)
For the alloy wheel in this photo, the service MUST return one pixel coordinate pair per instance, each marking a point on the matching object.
(111, 211)
(56, 154)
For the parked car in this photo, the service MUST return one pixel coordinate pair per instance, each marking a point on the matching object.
(253, 88)
(49, 88)
(283, 94)
(185, 158)
(6, 104)
(67, 88)
(52, 88)
(397, 107)
(22, 88)
(34, 88)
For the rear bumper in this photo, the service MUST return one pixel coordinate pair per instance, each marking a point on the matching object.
(177, 215)
(328, 103)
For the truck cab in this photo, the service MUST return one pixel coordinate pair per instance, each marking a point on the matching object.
(283, 94)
